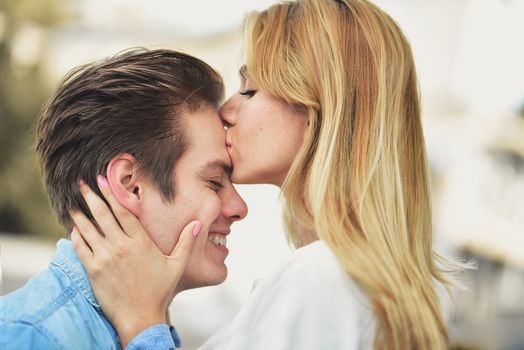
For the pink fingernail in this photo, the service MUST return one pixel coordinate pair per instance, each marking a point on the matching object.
(81, 182)
(102, 181)
(197, 228)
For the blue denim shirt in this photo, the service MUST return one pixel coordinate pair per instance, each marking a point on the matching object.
(57, 310)
(157, 337)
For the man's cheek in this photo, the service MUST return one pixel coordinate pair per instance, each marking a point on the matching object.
(210, 210)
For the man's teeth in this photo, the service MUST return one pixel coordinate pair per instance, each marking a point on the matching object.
(218, 239)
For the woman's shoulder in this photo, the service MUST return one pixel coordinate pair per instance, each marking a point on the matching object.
(309, 302)
(313, 263)
(315, 269)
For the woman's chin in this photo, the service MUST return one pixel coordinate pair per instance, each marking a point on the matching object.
(239, 178)
(245, 178)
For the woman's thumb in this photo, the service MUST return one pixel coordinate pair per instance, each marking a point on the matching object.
(184, 247)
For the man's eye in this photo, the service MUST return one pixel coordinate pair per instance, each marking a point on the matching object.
(215, 185)
(249, 93)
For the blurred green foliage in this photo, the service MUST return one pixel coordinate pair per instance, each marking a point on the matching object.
(24, 206)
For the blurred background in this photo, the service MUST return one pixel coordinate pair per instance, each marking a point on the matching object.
(470, 60)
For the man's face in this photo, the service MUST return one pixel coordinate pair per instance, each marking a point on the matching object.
(203, 191)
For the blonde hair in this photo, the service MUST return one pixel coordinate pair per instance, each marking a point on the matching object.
(360, 179)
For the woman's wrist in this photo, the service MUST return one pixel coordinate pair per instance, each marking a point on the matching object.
(129, 329)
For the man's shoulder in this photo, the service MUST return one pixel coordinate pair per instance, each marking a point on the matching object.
(57, 287)
(26, 310)
(39, 296)
(23, 335)
(50, 309)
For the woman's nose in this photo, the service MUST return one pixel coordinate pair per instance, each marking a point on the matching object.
(228, 112)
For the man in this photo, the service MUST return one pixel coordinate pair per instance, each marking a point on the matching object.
(148, 122)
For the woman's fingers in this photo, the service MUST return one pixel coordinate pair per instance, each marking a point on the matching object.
(182, 252)
(102, 214)
(127, 220)
(81, 248)
(89, 232)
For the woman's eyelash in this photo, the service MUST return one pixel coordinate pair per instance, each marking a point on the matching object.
(249, 93)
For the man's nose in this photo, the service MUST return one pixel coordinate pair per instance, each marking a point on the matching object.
(233, 206)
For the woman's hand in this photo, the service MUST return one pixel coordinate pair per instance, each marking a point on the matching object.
(133, 281)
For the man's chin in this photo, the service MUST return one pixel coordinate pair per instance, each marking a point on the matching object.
(205, 279)
(218, 278)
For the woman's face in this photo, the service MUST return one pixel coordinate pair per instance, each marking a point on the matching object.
(263, 135)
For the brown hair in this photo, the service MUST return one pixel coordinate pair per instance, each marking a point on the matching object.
(129, 103)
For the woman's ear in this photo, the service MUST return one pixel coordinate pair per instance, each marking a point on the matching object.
(125, 182)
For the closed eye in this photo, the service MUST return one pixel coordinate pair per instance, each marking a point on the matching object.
(215, 185)
(249, 93)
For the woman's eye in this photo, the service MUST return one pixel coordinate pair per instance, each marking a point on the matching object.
(215, 185)
(249, 93)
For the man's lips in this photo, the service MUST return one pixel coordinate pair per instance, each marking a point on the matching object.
(218, 237)
(224, 232)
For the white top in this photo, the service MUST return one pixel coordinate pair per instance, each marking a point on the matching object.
(307, 303)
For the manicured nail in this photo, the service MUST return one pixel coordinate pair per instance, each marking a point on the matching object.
(197, 228)
(81, 182)
(102, 181)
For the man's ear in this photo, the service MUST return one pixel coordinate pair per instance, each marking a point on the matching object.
(125, 182)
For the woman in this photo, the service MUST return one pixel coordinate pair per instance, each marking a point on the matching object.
(329, 111)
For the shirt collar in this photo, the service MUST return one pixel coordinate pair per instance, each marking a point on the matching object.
(66, 259)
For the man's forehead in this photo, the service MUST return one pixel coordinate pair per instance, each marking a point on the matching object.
(218, 163)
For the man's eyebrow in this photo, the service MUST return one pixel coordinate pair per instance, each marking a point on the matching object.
(219, 163)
